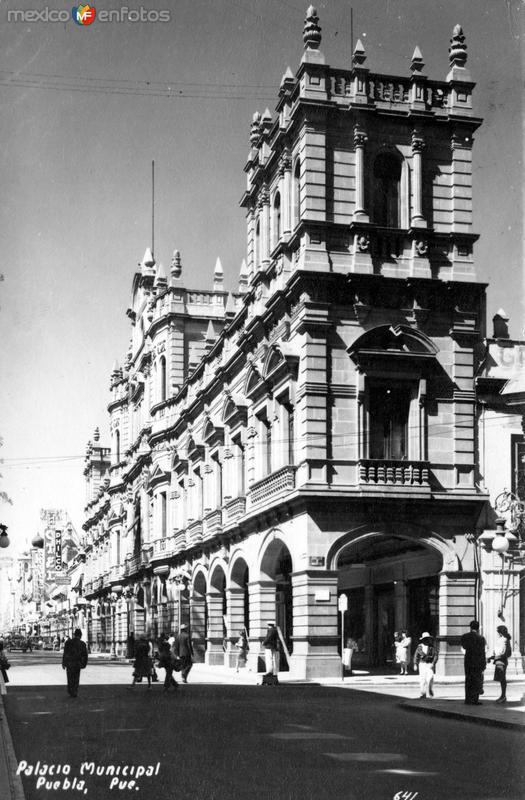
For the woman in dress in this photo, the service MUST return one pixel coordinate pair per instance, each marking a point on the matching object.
(402, 646)
(242, 650)
(500, 656)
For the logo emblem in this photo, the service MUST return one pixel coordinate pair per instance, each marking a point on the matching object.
(83, 15)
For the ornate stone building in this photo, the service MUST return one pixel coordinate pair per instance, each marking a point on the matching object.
(314, 434)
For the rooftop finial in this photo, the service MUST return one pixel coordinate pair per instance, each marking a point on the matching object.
(160, 276)
(311, 30)
(243, 277)
(359, 55)
(176, 265)
(218, 276)
(417, 62)
(457, 51)
(255, 129)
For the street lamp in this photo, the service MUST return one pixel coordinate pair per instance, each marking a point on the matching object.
(4, 538)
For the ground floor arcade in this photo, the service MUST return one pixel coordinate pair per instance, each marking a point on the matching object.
(395, 575)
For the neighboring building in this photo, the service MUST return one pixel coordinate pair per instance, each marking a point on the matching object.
(313, 435)
(6, 600)
(501, 397)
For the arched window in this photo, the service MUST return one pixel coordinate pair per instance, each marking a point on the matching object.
(296, 193)
(387, 176)
(257, 243)
(162, 378)
(276, 232)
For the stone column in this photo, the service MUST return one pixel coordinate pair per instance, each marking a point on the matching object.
(286, 209)
(262, 611)
(214, 636)
(457, 606)
(418, 143)
(315, 636)
(234, 620)
(265, 226)
(198, 626)
(401, 605)
(360, 139)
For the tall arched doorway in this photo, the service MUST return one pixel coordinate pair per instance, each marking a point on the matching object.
(277, 566)
(392, 584)
(217, 611)
(238, 607)
(199, 616)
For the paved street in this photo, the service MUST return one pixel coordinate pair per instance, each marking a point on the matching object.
(245, 741)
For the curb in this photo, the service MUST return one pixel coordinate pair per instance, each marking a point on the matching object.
(478, 720)
(12, 783)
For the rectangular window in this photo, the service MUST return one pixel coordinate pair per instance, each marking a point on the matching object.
(217, 470)
(518, 466)
(265, 437)
(240, 466)
(389, 407)
(163, 514)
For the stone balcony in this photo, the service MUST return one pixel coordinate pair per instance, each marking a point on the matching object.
(233, 510)
(194, 533)
(132, 565)
(212, 524)
(277, 483)
(393, 473)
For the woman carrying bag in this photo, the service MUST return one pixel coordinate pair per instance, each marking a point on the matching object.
(500, 656)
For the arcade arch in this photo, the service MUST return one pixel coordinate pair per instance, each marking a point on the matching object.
(391, 579)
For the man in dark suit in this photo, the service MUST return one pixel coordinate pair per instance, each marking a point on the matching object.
(474, 648)
(184, 649)
(74, 659)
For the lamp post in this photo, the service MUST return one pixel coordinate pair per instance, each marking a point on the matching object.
(4, 538)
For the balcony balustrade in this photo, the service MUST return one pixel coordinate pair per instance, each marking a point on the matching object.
(212, 524)
(194, 532)
(132, 564)
(381, 472)
(179, 541)
(277, 483)
(233, 510)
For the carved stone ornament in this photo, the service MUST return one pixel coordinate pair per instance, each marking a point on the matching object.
(418, 142)
(458, 49)
(421, 247)
(360, 137)
(363, 243)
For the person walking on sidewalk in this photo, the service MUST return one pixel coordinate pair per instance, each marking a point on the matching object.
(167, 662)
(143, 664)
(74, 658)
(271, 653)
(425, 658)
(500, 656)
(474, 647)
(241, 646)
(184, 650)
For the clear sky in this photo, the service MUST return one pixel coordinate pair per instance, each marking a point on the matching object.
(84, 110)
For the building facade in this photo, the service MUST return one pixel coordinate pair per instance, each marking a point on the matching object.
(314, 434)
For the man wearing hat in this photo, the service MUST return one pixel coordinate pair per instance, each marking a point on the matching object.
(474, 647)
(271, 650)
(425, 659)
(183, 648)
(74, 659)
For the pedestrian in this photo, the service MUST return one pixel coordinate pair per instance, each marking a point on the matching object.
(425, 658)
(154, 655)
(171, 639)
(348, 652)
(167, 662)
(402, 647)
(184, 650)
(4, 666)
(142, 665)
(131, 645)
(74, 658)
(500, 656)
(271, 653)
(242, 650)
(474, 647)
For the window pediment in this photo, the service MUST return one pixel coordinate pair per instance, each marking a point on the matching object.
(392, 344)
(282, 360)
